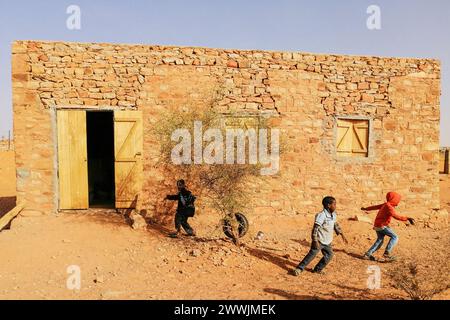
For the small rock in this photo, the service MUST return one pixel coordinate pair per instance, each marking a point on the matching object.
(259, 236)
(168, 60)
(195, 253)
(232, 64)
(138, 221)
(99, 279)
(361, 218)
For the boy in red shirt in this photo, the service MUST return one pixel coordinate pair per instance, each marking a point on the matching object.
(381, 226)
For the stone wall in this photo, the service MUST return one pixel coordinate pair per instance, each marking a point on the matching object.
(303, 93)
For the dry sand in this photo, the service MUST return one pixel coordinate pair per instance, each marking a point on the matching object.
(117, 262)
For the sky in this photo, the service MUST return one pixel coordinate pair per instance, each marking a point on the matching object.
(409, 28)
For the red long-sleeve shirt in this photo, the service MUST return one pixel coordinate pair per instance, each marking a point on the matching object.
(386, 211)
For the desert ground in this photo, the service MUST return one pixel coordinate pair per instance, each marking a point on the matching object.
(119, 262)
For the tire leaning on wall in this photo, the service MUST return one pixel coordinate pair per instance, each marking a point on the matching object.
(243, 225)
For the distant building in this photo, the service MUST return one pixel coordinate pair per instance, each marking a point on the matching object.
(444, 163)
(6, 145)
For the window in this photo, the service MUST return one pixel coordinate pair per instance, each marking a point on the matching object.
(352, 138)
(242, 122)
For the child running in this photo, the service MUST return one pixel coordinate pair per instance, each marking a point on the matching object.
(325, 225)
(185, 209)
(386, 212)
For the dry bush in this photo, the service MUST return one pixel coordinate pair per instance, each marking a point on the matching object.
(222, 187)
(421, 282)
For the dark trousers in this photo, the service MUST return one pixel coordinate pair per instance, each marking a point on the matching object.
(181, 220)
(327, 252)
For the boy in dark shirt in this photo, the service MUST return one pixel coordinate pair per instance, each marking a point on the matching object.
(185, 209)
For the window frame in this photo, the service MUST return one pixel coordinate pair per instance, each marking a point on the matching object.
(370, 151)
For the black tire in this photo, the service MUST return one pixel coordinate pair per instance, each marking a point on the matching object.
(243, 226)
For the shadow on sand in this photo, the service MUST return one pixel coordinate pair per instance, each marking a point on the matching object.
(290, 295)
(278, 260)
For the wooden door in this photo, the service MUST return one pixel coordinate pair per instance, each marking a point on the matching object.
(72, 159)
(128, 157)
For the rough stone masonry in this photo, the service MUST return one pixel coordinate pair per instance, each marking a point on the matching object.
(303, 93)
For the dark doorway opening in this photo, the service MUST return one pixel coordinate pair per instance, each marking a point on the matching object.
(100, 153)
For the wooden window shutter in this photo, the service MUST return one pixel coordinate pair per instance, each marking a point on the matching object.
(352, 138)
(344, 138)
(242, 122)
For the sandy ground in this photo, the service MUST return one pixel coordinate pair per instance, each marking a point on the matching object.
(7, 174)
(118, 262)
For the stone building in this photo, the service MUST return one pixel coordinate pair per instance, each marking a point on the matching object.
(359, 126)
(6, 145)
(444, 165)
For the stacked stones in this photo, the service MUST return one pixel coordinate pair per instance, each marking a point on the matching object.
(303, 93)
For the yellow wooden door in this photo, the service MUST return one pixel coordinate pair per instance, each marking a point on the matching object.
(72, 159)
(128, 157)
